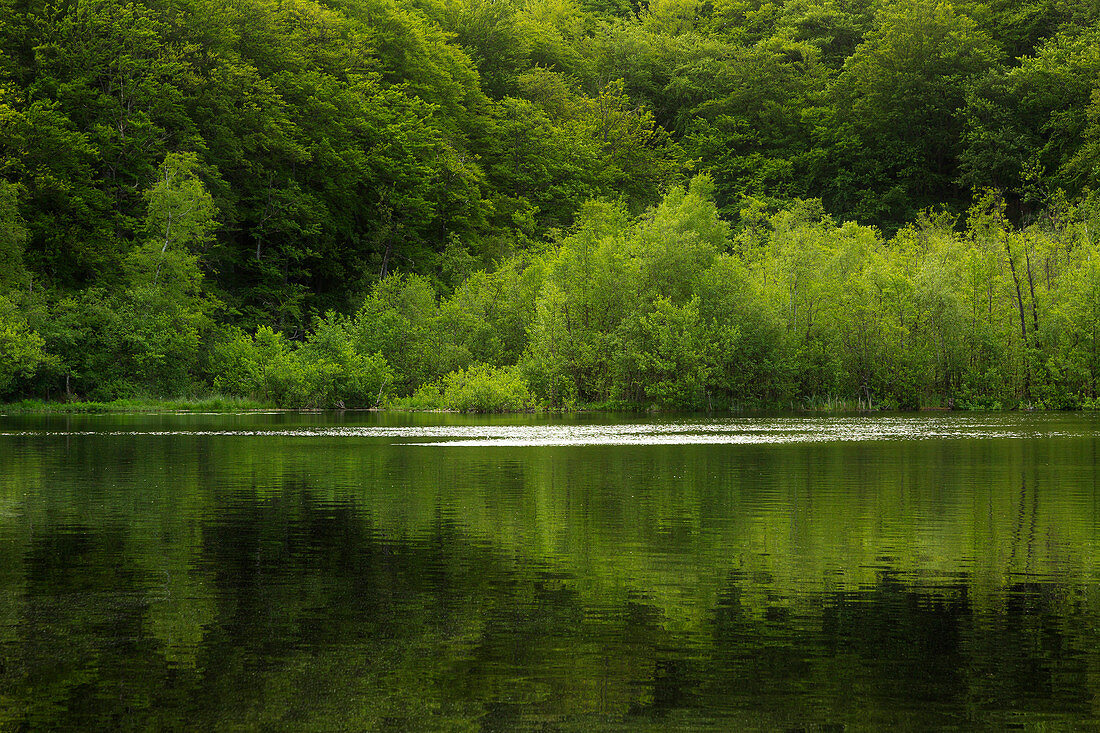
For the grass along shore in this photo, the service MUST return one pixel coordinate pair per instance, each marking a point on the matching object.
(229, 404)
(217, 403)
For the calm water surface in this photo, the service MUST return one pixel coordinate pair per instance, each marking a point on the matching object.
(378, 572)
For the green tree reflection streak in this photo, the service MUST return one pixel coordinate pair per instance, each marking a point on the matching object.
(280, 582)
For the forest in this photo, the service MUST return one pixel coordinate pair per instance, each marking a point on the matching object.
(524, 204)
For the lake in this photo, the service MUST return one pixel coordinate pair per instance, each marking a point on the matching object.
(369, 571)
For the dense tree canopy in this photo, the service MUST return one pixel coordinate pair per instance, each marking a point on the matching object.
(673, 203)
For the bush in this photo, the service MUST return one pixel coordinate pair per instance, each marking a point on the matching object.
(325, 371)
(20, 346)
(662, 356)
(481, 388)
(248, 365)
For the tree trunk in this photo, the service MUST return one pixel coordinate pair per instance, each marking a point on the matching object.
(1019, 293)
(1031, 287)
(1023, 318)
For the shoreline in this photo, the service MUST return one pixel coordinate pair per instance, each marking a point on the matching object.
(229, 405)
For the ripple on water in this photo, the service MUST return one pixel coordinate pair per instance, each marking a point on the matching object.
(731, 431)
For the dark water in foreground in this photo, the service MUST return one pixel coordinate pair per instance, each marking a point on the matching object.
(367, 572)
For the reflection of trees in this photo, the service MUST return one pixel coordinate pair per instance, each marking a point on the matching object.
(1023, 528)
(83, 658)
(231, 581)
(320, 620)
(905, 652)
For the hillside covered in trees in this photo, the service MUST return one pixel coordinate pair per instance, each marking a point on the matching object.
(496, 204)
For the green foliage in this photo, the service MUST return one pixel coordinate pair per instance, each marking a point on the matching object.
(178, 225)
(1029, 129)
(661, 356)
(13, 237)
(400, 320)
(247, 364)
(480, 388)
(494, 36)
(324, 203)
(615, 292)
(745, 361)
(587, 292)
(138, 343)
(489, 313)
(323, 372)
(20, 347)
(896, 134)
(218, 403)
(334, 372)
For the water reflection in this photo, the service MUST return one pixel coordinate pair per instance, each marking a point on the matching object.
(205, 581)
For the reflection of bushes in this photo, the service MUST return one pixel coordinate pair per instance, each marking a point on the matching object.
(333, 626)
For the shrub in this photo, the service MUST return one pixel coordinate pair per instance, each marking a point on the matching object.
(20, 347)
(325, 371)
(481, 388)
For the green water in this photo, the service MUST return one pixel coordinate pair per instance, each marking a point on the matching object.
(371, 572)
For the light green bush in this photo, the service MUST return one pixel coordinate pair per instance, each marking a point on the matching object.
(20, 347)
(325, 371)
(481, 388)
